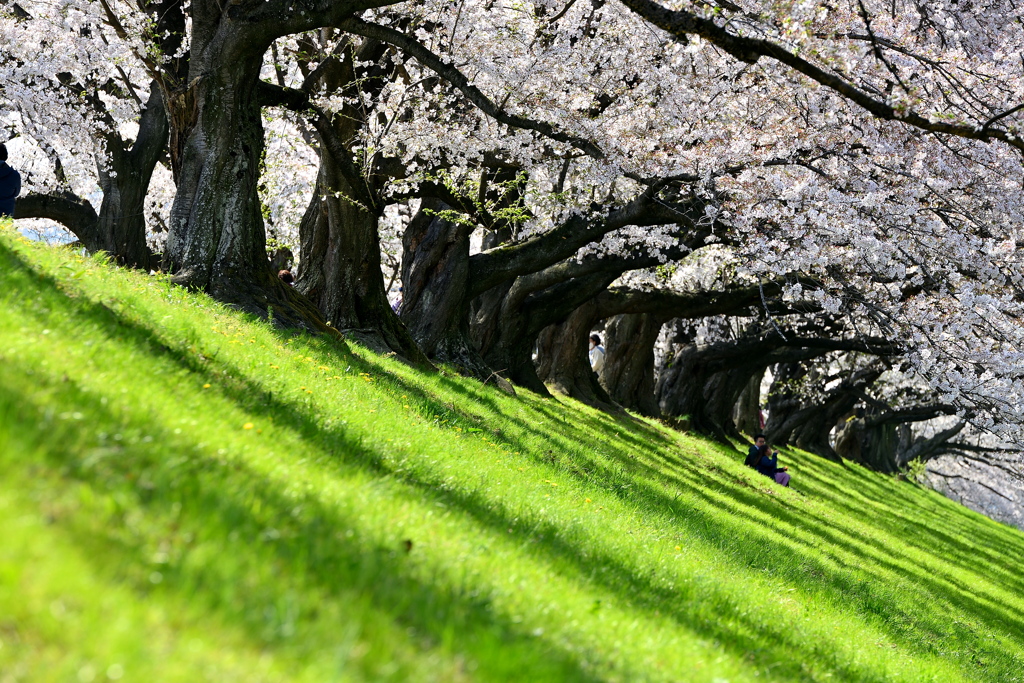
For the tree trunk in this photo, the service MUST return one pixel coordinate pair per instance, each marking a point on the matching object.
(563, 363)
(747, 414)
(435, 289)
(121, 225)
(217, 240)
(628, 373)
(511, 352)
(703, 382)
(487, 328)
(885, 441)
(694, 387)
(809, 426)
(507, 319)
(629, 360)
(339, 235)
(813, 433)
(874, 447)
(783, 401)
(340, 267)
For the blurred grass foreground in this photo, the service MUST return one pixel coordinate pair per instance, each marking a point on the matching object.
(187, 494)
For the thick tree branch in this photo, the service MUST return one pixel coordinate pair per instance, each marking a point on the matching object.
(451, 74)
(491, 267)
(271, 95)
(914, 414)
(934, 446)
(74, 213)
(666, 304)
(750, 50)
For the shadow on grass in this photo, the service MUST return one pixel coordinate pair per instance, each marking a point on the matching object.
(229, 505)
(984, 545)
(232, 506)
(988, 543)
(611, 574)
(742, 499)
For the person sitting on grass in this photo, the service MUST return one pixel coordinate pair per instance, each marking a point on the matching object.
(768, 465)
(754, 454)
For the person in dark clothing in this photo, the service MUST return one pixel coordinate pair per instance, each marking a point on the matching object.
(10, 185)
(768, 465)
(754, 454)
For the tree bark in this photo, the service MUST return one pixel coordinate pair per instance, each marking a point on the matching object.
(747, 414)
(874, 447)
(563, 362)
(217, 239)
(124, 176)
(700, 384)
(502, 279)
(628, 373)
(340, 268)
(507, 321)
(121, 225)
(74, 213)
(435, 289)
(637, 384)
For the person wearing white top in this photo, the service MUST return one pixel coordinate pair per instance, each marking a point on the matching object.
(596, 353)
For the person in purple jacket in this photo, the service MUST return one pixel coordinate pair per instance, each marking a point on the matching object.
(10, 185)
(768, 465)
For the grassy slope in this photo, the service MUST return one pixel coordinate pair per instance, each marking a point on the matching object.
(189, 495)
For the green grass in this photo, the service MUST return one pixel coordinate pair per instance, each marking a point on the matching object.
(187, 494)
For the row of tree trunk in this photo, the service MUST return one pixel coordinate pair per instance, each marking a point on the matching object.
(519, 310)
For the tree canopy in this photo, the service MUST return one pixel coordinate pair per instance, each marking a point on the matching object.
(829, 192)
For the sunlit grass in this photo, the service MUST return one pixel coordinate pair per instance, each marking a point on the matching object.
(186, 494)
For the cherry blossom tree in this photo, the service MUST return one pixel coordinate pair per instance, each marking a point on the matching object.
(547, 149)
(92, 115)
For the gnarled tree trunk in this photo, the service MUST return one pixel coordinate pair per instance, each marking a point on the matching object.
(874, 447)
(435, 284)
(705, 382)
(339, 234)
(340, 268)
(699, 384)
(217, 239)
(563, 362)
(747, 413)
(628, 373)
(883, 440)
(120, 226)
(809, 425)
